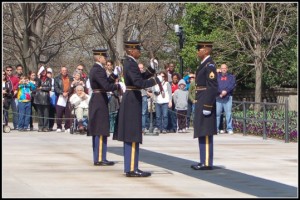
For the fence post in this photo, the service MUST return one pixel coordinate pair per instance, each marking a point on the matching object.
(286, 121)
(265, 118)
(244, 116)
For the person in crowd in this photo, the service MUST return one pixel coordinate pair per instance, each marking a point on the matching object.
(81, 68)
(190, 81)
(191, 101)
(7, 95)
(42, 99)
(114, 100)
(144, 102)
(88, 87)
(18, 74)
(171, 71)
(32, 79)
(205, 108)
(226, 85)
(80, 101)
(63, 90)
(130, 113)
(53, 100)
(109, 67)
(77, 80)
(163, 101)
(166, 67)
(24, 97)
(98, 126)
(13, 102)
(19, 71)
(180, 98)
(172, 118)
(187, 79)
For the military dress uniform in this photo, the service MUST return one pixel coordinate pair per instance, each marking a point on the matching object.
(129, 128)
(205, 125)
(98, 126)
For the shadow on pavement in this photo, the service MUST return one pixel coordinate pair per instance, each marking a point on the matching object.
(238, 181)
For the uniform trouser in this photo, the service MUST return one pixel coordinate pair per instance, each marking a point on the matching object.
(131, 156)
(99, 148)
(206, 150)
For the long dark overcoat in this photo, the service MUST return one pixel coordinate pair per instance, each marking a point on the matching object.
(206, 80)
(98, 105)
(130, 113)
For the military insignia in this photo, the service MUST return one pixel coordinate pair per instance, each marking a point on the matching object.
(211, 75)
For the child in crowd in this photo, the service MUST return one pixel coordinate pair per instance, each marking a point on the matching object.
(24, 98)
(180, 98)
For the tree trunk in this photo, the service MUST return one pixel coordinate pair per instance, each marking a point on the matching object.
(120, 32)
(258, 82)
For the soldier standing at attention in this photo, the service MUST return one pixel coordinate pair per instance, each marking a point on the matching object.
(98, 125)
(130, 113)
(205, 107)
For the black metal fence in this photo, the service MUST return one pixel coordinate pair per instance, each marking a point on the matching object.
(248, 106)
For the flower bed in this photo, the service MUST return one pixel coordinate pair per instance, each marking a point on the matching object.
(273, 129)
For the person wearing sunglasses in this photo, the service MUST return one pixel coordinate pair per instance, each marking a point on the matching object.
(13, 102)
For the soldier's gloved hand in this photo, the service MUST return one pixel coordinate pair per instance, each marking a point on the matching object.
(116, 71)
(123, 86)
(153, 63)
(206, 112)
(160, 78)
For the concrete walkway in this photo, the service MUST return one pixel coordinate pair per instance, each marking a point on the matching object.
(59, 165)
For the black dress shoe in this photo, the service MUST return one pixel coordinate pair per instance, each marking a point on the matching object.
(104, 163)
(138, 173)
(197, 166)
(200, 166)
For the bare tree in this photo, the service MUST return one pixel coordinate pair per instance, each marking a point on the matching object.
(259, 28)
(35, 32)
(117, 22)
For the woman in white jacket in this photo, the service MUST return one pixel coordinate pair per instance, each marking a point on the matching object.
(163, 101)
(80, 101)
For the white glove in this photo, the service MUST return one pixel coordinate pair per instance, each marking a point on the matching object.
(123, 86)
(116, 72)
(160, 78)
(119, 68)
(153, 63)
(206, 112)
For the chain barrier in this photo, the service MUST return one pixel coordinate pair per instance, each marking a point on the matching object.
(37, 117)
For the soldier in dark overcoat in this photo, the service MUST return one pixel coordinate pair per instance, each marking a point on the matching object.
(205, 107)
(130, 112)
(98, 125)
